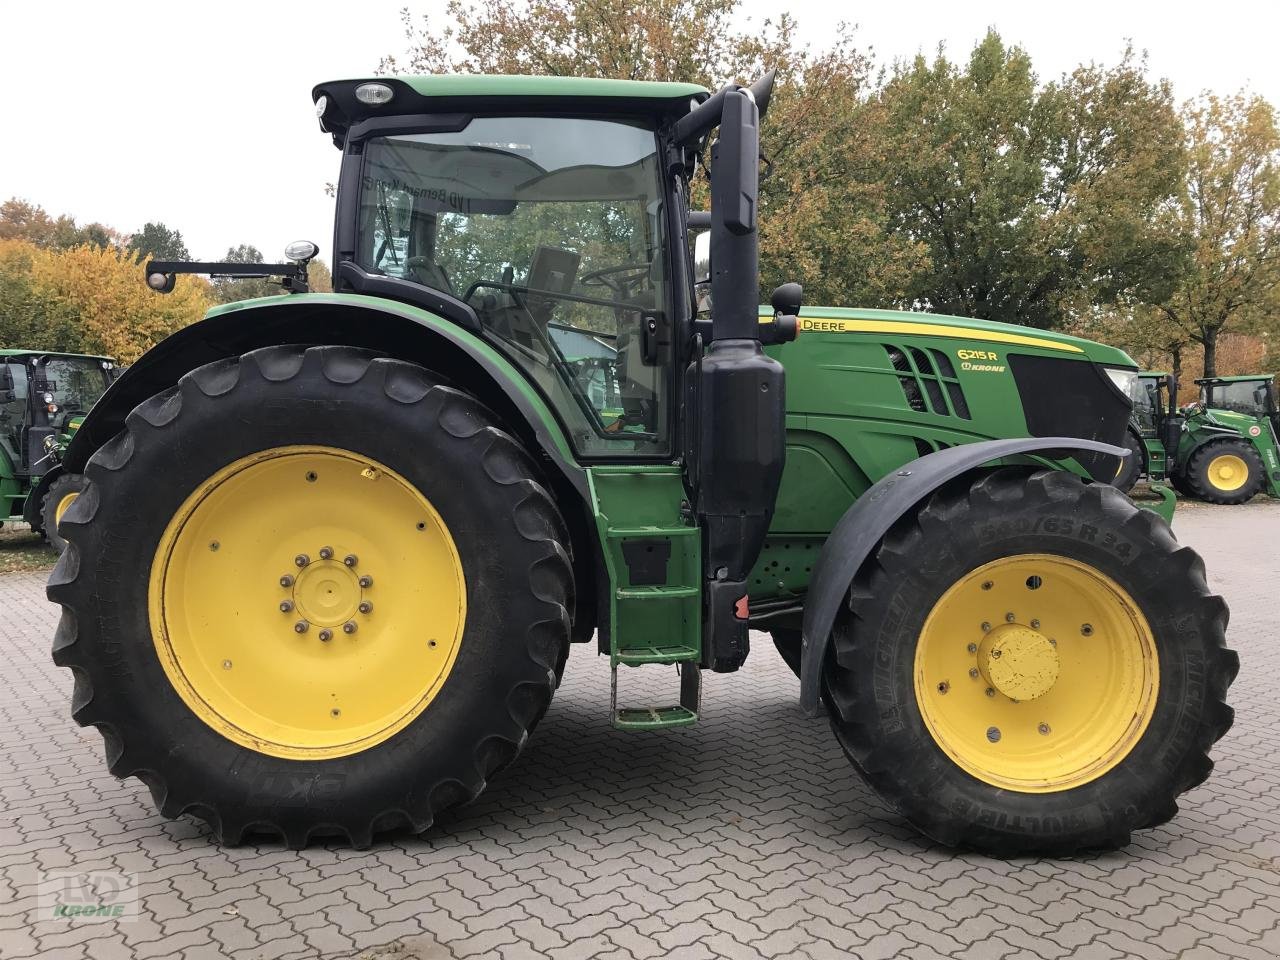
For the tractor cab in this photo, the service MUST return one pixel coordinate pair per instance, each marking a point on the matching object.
(1250, 396)
(43, 399)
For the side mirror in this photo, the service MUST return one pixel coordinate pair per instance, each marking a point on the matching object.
(702, 257)
(786, 299)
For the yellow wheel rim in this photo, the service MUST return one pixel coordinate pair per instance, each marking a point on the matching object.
(62, 506)
(1036, 673)
(1228, 472)
(307, 602)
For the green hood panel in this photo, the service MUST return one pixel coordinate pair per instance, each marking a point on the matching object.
(911, 323)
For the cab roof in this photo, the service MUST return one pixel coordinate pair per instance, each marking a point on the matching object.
(1241, 378)
(52, 353)
(476, 93)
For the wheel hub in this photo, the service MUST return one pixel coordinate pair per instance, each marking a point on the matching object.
(327, 593)
(1228, 472)
(1019, 662)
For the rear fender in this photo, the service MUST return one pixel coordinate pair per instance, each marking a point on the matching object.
(865, 523)
(385, 326)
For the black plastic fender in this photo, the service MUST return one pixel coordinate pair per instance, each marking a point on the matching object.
(869, 519)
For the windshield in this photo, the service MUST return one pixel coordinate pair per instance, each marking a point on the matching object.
(74, 383)
(552, 230)
(1242, 396)
(1144, 392)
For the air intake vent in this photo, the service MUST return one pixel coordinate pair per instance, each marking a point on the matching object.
(928, 375)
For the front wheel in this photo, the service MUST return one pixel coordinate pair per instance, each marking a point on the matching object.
(311, 591)
(1031, 665)
(1132, 466)
(1225, 472)
(57, 501)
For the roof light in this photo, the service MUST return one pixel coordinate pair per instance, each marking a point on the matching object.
(374, 94)
(322, 104)
(300, 251)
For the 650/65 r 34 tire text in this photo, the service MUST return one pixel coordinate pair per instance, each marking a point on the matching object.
(1031, 665)
(339, 610)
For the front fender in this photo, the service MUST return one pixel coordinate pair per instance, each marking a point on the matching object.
(869, 519)
(386, 326)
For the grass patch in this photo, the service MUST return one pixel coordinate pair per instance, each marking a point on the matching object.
(20, 549)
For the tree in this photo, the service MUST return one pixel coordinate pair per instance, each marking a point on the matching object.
(229, 289)
(21, 220)
(1032, 202)
(88, 299)
(1229, 220)
(155, 241)
(822, 210)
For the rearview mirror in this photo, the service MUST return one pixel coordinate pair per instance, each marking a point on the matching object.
(702, 257)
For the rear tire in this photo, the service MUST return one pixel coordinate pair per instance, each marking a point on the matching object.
(878, 692)
(1225, 472)
(176, 731)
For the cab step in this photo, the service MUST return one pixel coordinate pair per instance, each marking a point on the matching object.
(658, 718)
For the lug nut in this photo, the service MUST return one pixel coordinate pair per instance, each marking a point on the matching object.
(213, 545)
(286, 606)
(1043, 728)
(326, 635)
(286, 581)
(366, 581)
(349, 627)
(993, 734)
(326, 553)
(1035, 624)
(986, 627)
(943, 687)
(301, 560)
(973, 672)
(1086, 629)
(365, 606)
(987, 585)
(1008, 618)
(972, 648)
(990, 692)
(301, 626)
(350, 560)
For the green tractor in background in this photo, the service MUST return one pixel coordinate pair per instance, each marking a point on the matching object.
(334, 548)
(1221, 449)
(43, 399)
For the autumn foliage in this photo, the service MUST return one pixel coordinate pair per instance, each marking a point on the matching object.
(88, 299)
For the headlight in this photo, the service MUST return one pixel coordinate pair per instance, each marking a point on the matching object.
(1125, 380)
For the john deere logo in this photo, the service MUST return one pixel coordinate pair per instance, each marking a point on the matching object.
(981, 361)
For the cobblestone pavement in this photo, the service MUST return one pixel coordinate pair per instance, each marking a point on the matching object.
(744, 836)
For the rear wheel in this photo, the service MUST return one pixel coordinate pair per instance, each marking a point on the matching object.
(1031, 665)
(57, 501)
(1225, 472)
(354, 602)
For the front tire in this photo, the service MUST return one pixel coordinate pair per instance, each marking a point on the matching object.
(57, 501)
(1227, 472)
(1030, 665)
(340, 612)
(1132, 466)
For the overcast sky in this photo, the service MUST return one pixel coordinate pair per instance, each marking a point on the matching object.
(203, 120)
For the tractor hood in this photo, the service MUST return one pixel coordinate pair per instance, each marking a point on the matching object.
(909, 323)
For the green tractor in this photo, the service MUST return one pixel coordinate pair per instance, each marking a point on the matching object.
(1221, 449)
(44, 397)
(334, 548)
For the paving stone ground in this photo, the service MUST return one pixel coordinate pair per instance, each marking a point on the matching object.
(744, 836)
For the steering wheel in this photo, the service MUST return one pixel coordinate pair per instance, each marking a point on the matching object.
(617, 277)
